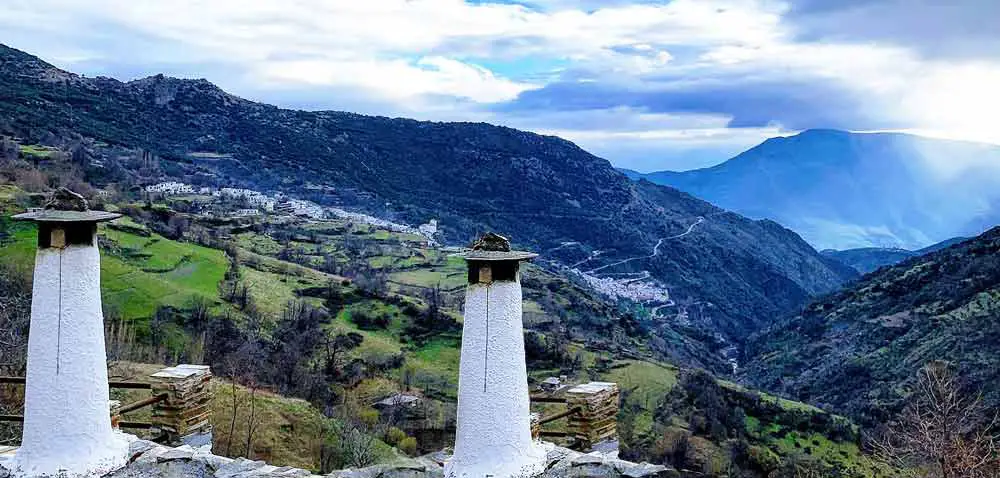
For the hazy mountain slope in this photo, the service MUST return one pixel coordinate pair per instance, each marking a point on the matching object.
(867, 259)
(856, 350)
(542, 190)
(844, 190)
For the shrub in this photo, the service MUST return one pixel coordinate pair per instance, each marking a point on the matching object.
(408, 445)
(394, 436)
(370, 321)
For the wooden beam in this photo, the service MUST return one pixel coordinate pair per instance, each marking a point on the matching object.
(129, 385)
(135, 425)
(552, 418)
(142, 403)
(543, 399)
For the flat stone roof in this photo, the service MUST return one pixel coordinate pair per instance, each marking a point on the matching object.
(593, 387)
(55, 215)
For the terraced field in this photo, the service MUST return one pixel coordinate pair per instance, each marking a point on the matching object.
(142, 271)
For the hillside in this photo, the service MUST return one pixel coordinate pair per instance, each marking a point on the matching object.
(843, 190)
(857, 350)
(694, 262)
(867, 259)
(173, 300)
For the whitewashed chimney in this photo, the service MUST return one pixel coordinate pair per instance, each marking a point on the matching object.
(67, 424)
(493, 438)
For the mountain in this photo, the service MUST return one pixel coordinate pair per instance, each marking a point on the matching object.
(843, 190)
(867, 259)
(858, 349)
(725, 271)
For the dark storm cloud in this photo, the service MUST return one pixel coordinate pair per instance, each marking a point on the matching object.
(959, 29)
(795, 104)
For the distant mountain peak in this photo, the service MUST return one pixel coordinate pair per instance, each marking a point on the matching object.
(844, 190)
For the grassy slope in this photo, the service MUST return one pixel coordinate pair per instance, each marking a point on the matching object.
(152, 271)
(139, 273)
(142, 273)
(288, 431)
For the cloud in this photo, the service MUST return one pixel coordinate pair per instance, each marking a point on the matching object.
(398, 79)
(937, 29)
(684, 80)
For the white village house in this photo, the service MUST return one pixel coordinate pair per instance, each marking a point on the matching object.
(170, 188)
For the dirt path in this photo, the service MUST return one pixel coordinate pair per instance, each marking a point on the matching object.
(656, 248)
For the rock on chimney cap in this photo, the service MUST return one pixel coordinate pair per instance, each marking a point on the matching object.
(66, 206)
(494, 247)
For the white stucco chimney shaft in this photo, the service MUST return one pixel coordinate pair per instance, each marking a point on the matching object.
(493, 436)
(67, 425)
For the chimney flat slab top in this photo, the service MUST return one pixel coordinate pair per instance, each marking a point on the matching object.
(593, 387)
(55, 215)
(181, 371)
(480, 255)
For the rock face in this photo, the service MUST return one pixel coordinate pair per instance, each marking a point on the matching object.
(149, 460)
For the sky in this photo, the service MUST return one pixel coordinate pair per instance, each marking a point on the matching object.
(648, 85)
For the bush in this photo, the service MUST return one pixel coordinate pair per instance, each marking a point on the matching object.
(394, 436)
(370, 321)
(408, 445)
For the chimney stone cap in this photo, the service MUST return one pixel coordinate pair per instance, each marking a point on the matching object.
(66, 206)
(494, 247)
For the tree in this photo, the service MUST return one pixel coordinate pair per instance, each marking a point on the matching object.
(177, 226)
(15, 301)
(942, 431)
(9, 150)
(336, 348)
(79, 156)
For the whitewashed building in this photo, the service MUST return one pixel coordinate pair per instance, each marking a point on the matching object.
(170, 188)
(493, 436)
(67, 425)
(253, 198)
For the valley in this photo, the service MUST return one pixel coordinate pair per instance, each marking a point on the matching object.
(380, 278)
(469, 177)
(309, 258)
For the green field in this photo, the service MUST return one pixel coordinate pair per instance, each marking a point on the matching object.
(271, 291)
(139, 274)
(146, 272)
(37, 150)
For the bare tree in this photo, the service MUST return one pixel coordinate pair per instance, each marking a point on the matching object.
(942, 432)
(15, 303)
(252, 419)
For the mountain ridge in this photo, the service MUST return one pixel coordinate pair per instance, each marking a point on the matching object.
(868, 259)
(843, 190)
(732, 273)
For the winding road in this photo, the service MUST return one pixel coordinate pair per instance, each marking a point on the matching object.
(656, 248)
